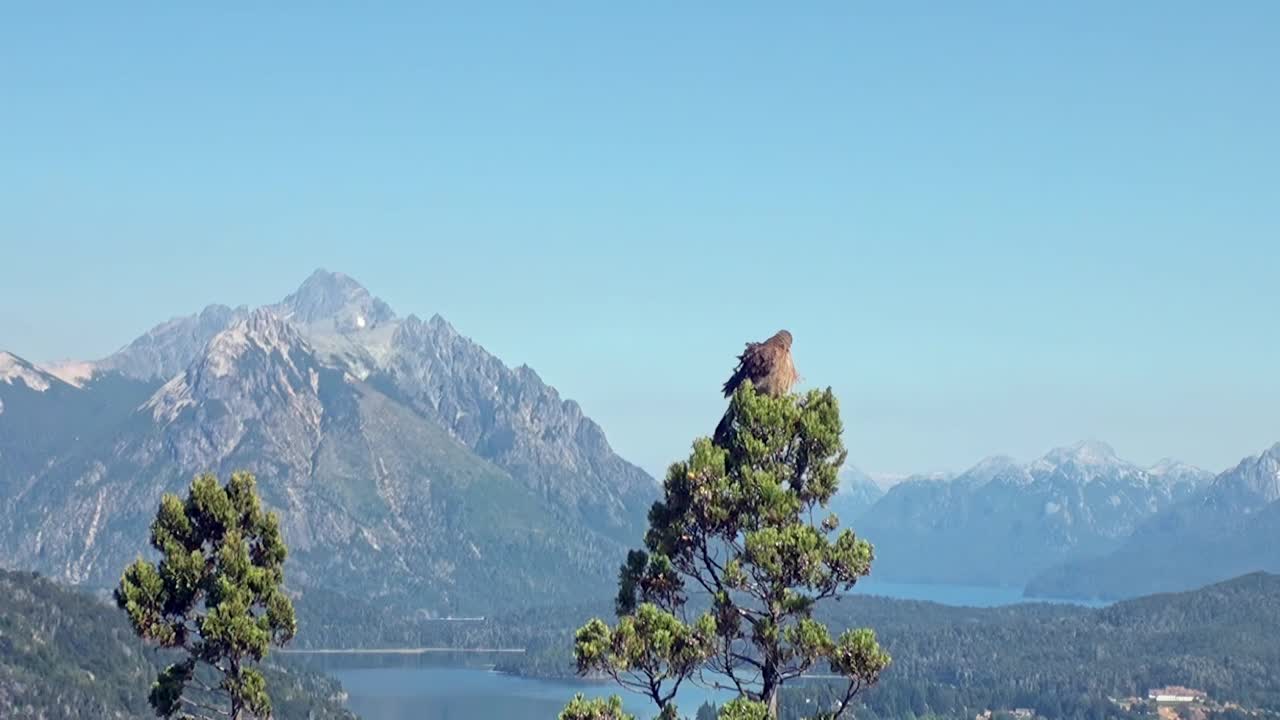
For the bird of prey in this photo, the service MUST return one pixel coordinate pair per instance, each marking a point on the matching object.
(768, 366)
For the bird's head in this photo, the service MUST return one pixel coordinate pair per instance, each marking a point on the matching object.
(783, 338)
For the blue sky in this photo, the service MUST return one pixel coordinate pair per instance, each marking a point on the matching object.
(993, 229)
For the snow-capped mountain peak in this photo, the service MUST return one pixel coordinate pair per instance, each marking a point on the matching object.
(1085, 453)
(995, 466)
(1251, 484)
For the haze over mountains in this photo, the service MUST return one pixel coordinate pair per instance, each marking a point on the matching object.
(407, 462)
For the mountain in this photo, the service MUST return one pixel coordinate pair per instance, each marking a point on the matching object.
(166, 349)
(410, 467)
(1001, 522)
(857, 493)
(68, 655)
(512, 418)
(42, 415)
(1230, 527)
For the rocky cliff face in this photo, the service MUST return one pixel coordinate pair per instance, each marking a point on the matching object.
(405, 461)
(512, 418)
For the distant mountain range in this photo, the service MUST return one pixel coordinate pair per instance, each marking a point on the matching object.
(1078, 522)
(1226, 528)
(410, 466)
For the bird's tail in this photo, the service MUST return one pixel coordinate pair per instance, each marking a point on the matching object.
(721, 436)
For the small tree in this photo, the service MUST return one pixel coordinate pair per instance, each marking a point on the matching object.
(216, 595)
(581, 708)
(742, 526)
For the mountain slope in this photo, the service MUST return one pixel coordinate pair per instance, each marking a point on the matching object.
(505, 415)
(857, 493)
(510, 417)
(1001, 522)
(166, 349)
(1228, 528)
(374, 498)
(42, 417)
(409, 466)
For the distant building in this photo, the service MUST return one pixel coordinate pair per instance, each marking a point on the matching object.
(1176, 694)
(1018, 713)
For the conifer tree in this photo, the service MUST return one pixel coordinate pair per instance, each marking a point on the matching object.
(216, 595)
(742, 529)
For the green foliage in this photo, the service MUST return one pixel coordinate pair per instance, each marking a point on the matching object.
(581, 708)
(745, 524)
(1065, 661)
(650, 651)
(66, 654)
(216, 595)
(744, 709)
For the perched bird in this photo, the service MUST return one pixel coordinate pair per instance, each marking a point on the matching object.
(768, 366)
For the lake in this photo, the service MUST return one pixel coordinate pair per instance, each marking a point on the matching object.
(959, 595)
(444, 693)
(422, 691)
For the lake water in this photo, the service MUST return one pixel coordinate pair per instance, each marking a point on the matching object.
(434, 692)
(960, 595)
(442, 693)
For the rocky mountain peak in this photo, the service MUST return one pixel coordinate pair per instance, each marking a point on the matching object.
(991, 468)
(1250, 485)
(1164, 466)
(1176, 472)
(1084, 453)
(1087, 462)
(166, 349)
(439, 324)
(256, 356)
(262, 331)
(851, 476)
(332, 297)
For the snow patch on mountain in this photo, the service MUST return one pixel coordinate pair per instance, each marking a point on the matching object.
(1092, 454)
(167, 402)
(14, 368)
(72, 372)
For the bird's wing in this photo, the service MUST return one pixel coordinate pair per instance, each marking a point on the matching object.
(754, 363)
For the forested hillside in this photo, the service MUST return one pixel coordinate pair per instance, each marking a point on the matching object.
(1064, 661)
(66, 655)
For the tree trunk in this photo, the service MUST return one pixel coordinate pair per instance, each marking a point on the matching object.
(769, 689)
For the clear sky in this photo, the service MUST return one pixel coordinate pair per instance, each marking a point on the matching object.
(992, 227)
